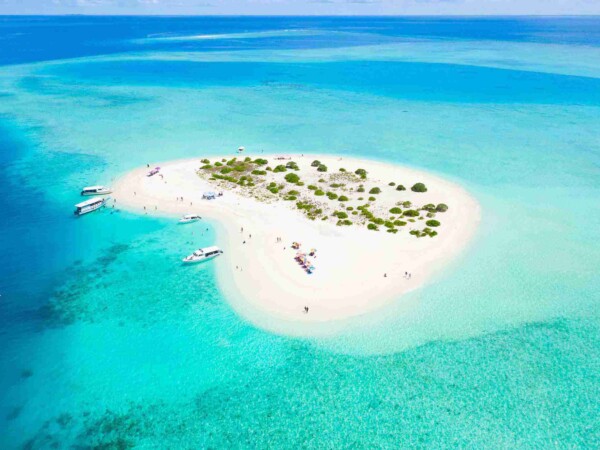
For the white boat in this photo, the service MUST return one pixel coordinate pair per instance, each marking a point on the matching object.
(95, 190)
(203, 254)
(90, 205)
(189, 218)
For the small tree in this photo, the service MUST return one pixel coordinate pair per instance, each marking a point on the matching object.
(419, 187)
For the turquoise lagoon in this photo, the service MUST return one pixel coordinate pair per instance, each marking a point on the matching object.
(106, 340)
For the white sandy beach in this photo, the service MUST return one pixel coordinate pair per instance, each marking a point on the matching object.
(351, 260)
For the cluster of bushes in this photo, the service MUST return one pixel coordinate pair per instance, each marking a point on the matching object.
(336, 185)
(292, 178)
(246, 180)
(292, 165)
(279, 168)
(411, 213)
(419, 187)
(362, 173)
(332, 195)
(345, 222)
(259, 172)
(309, 209)
(340, 215)
(424, 232)
(261, 162)
(231, 179)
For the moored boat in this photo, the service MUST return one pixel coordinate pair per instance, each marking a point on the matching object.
(90, 205)
(189, 218)
(95, 190)
(203, 254)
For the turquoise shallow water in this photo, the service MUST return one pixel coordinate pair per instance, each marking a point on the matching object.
(106, 341)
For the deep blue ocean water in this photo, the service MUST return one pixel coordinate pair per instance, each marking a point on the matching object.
(107, 343)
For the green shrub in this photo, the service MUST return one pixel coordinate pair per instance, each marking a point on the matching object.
(419, 187)
(292, 178)
(319, 192)
(312, 187)
(343, 198)
(292, 165)
(247, 159)
(388, 224)
(360, 198)
(400, 188)
(322, 168)
(391, 183)
(407, 204)
(279, 168)
(392, 230)
(336, 185)
(399, 223)
(231, 162)
(342, 169)
(375, 190)
(218, 164)
(205, 161)
(261, 162)
(396, 210)
(361, 173)
(259, 172)
(372, 226)
(354, 213)
(372, 199)
(226, 170)
(272, 184)
(430, 215)
(321, 180)
(290, 197)
(315, 163)
(429, 207)
(341, 215)
(442, 207)
(332, 195)
(378, 221)
(292, 192)
(349, 208)
(361, 188)
(411, 213)
(273, 190)
(206, 167)
(432, 223)
(300, 183)
(239, 168)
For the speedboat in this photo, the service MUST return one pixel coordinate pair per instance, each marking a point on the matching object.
(95, 190)
(189, 218)
(90, 205)
(203, 254)
(153, 171)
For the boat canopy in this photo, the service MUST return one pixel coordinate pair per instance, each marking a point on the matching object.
(91, 201)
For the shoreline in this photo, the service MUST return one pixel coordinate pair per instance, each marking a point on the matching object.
(357, 270)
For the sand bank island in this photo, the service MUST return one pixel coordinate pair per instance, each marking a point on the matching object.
(377, 230)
